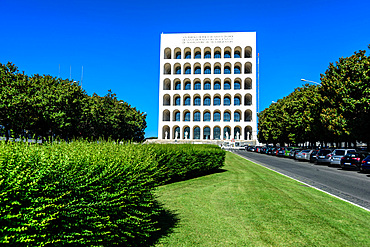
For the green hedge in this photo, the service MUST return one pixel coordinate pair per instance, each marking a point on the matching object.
(184, 161)
(89, 194)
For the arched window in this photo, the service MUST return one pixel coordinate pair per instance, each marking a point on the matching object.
(166, 100)
(227, 54)
(178, 85)
(248, 52)
(197, 55)
(176, 133)
(197, 86)
(236, 101)
(227, 101)
(197, 133)
(187, 133)
(207, 85)
(217, 54)
(247, 68)
(206, 133)
(167, 69)
(166, 84)
(187, 70)
(236, 85)
(217, 86)
(227, 116)
(248, 99)
(227, 70)
(237, 54)
(178, 101)
(248, 116)
(187, 116)
(236, 70)
(216, 117)
(236, 117)
(248, 133)
(248, 83)
(167, 53)
(237, 133)
(207, 70)
(227, 85)
(166, 115)
(197, 70)
(217, 101)
(196, 116)
(197, 101)
(187, 55)
(207, 101)
(207, 54)
(178, 55)
(228, 131)
(207, 117)
(216, 133)
(187, 101)
(187, 85)
(177, 116)
(217, 70)
(178, 70)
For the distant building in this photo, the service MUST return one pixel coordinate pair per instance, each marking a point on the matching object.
(207, 86)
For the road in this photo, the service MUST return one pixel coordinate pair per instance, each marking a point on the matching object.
(350, 185)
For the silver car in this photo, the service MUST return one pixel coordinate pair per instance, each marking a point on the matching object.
(337, 154)
(323, 156)
(303, 155)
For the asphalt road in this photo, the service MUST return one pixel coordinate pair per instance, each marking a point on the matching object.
(350, 185)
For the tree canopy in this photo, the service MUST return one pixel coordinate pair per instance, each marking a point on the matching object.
(335, 111)
(46, 106)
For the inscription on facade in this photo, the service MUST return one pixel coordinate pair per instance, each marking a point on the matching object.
(207, 39)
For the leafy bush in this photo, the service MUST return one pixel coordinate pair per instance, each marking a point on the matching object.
(186, 161)
(78, 194)
(89, 194)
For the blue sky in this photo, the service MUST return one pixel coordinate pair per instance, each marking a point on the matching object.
(111, 39)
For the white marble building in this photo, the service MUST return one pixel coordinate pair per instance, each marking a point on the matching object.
(207, 86)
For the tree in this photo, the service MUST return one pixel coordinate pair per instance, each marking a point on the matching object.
(14, 100)
(50, 106)
(345, 94)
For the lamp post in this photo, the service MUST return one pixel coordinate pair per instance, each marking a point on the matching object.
(317, 83)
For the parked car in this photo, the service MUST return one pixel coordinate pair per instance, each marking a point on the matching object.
(263, 150)
(337, 154)
(270, 150)
(293, 152)
(281, 151)
(313, 155)
(287, 151)
(323, 156)
(274, 151)
(303, 155)
(352, 160)
(365, 164)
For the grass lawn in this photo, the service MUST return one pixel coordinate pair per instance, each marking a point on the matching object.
(249, 205)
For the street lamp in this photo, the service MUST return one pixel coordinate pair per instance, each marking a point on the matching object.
(311, 81)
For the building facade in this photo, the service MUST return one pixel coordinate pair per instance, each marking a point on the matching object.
(207, 86)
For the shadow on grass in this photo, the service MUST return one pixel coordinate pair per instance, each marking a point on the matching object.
(197, 175)
(166, 221)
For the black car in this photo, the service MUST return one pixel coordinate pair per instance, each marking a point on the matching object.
(352, 160)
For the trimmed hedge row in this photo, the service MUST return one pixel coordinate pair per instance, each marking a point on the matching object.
(186, 161)
(89, 194)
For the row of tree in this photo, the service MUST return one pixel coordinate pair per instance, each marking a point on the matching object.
(46, 106)
(335, 111)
